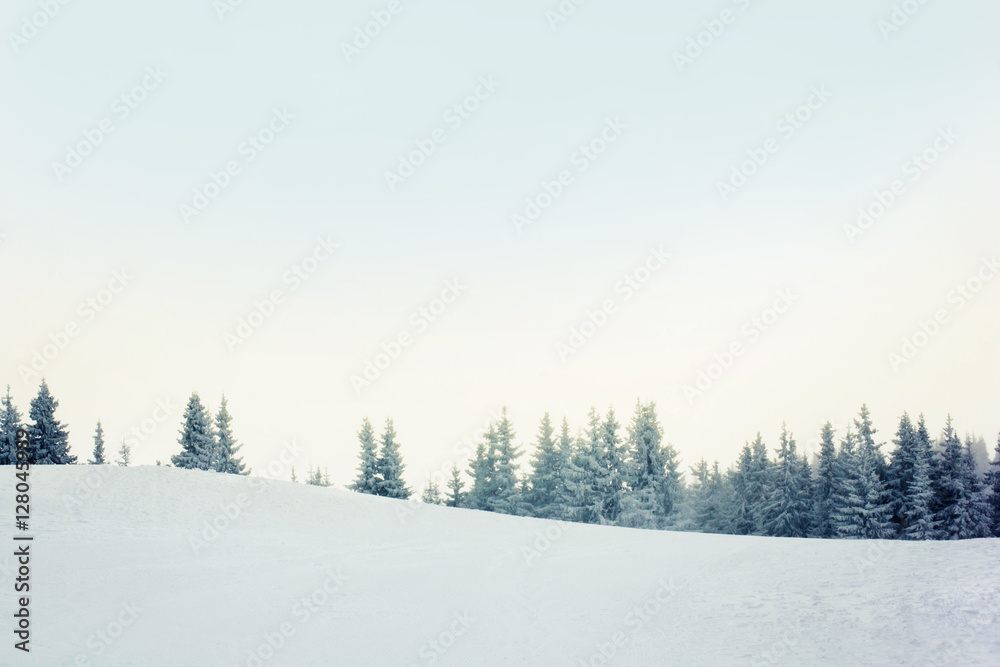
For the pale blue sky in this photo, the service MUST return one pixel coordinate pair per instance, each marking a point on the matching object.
(655, 186)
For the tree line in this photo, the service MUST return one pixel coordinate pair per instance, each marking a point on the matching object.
(206, 443)
(924, 489)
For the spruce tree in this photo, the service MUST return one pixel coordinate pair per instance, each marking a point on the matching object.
(788, 507)
(432, 494)
(566, 484)
(48, 439)
(962, 506)
(613, 482)
(583, 502)
(826, 483)
(124, 454)
(367, 479)
(482, 469)
(654, 468)
(916, 516)
(546, 473)
(902, 464)
(226, 446)
(708, 511)
(862, 508)
(506, 495)
(751, 484)
(196, 438)
(390, 466)
(875, 517)
(10, 423)
(456, 497)
(98, 445)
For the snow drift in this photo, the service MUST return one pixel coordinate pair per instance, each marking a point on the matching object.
(161, 566)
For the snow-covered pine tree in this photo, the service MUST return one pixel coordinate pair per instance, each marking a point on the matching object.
(993, 481)
(432, 494)
(197, 440)
(506, 497)
(390, 466)
(744, 522)
(826, 483)
(48, 439)
(10, 422)
(226, 446)
(963, 512)
(546, 473)
(708, 500)
(902, 462)
(916, 514)
(583, 502)
(750, 488)
(847, 518)
(367, 479)
(98, 445)
(788, 508)
(613, 481)
(866, 441)
(124, 454)
(567, 449)
(653, 466)
(571, 473)
(482, 470)
(876, 510)
(695, 499)
(456, 497)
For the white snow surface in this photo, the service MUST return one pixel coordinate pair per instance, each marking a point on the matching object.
(338, 578)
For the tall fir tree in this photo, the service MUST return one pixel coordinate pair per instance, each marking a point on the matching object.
(826, 483)
(962, 512)
(862, 509)
(482, 470)
(866, 442)
(901, 469)
(546, 477)
(98, 445)
(507, 495)
(654, 468)
(367, 479)
(226, 446)
(390, 466)
(456, 496)
(876, 512)
(788, 509)
(613, 484)
(10, 423)
(586, 503)
(48, 439)
(751, 480)
(709, 510)
(197, 440)
(916, 514)
(568, 508)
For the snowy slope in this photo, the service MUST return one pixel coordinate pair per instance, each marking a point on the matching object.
(117, 582)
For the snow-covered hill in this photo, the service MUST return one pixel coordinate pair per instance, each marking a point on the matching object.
(128, 569)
